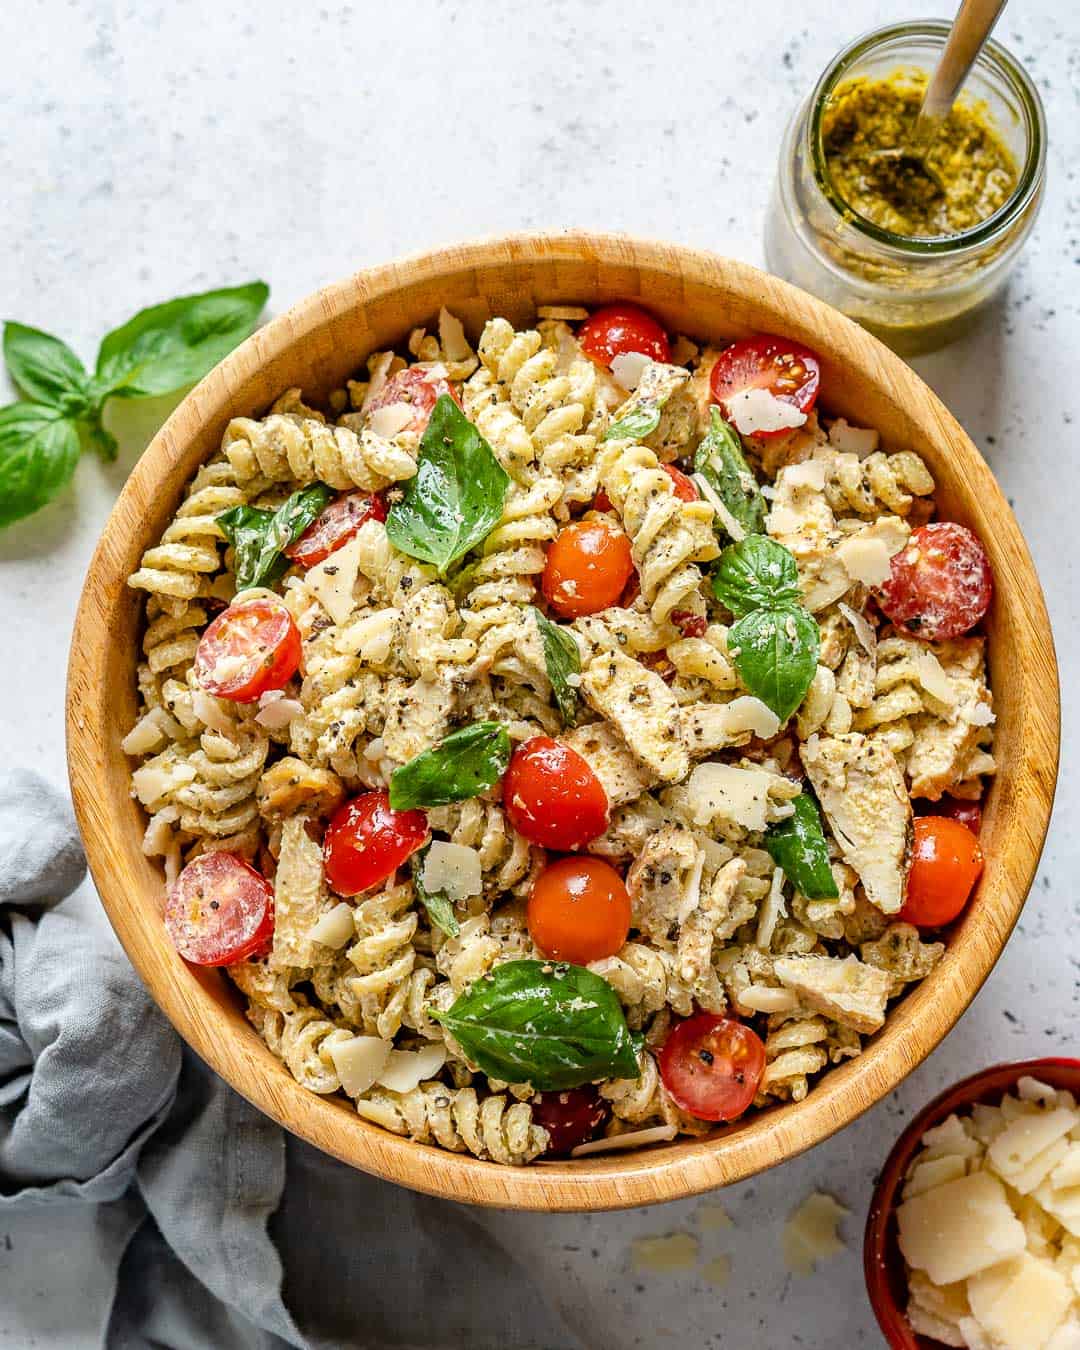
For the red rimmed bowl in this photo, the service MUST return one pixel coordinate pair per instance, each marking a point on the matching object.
(886, 1277)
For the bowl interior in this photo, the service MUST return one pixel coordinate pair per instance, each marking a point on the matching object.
(316, 346)
(886, 1279)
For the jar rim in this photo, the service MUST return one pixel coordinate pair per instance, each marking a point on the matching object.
(993, 55)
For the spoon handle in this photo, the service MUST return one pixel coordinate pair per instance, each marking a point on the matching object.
(970, 29)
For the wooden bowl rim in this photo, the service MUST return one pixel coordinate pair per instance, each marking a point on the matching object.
(686, 1166)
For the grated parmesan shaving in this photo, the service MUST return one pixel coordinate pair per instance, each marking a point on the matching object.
(655, 1134)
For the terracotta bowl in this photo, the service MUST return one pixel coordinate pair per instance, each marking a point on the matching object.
(886, 1276)
(316, 345)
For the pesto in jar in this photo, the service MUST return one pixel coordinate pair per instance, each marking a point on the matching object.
(970, 171)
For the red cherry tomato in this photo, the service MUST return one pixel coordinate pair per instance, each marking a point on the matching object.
(712, 1066)
(789, 372)
(251, 647)
(587, 567)
(552, 797)
(619, 328)
(418, 387)
(337, 524)
(367, 841)
(571, 1117)
(684, 489)
(945, 864)
(967, 813)
(579, 910)
(940, 585)
(220, 911)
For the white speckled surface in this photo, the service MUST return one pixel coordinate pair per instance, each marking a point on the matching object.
(152, 149)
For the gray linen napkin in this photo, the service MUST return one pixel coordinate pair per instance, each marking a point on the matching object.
(145, 1204)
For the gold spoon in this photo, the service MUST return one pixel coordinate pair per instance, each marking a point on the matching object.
(907, 168)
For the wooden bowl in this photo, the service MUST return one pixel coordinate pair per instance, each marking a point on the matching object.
(316, 345)
(883, 1263)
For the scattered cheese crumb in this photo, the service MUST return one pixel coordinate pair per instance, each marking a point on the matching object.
(391, 419)
(754, 410)
(334, 928)
(865, 559)
(628, 368)
(712, 1218)
(452, 870)
(810, 1234)
(717, 1271)
(861, 441)
(665, 1255)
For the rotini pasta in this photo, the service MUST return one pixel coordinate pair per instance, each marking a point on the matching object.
(600, 784)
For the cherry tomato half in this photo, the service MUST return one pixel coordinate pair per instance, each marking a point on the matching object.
(789, 371)
(335, 526)
(684, 489)
(220, 911)
(367, 841)
(249, 648)
(552, 797)
(587, 567)
(712, 1066)
(967, 813)
(417, 386)
(945, 864)
(579, 910)
(619, 328)
(571, 1117)
(940, 585)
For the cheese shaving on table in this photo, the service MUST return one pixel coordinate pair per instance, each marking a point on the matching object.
(664, 1255)
(810, 1234)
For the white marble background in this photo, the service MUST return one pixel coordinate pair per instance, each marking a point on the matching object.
(151, 149)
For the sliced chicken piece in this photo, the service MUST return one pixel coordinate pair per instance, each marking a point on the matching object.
(665, 388)
(622, 775)
(861, 790)
(291, 783)
(643, 708)
(848, 991)
(664, 883)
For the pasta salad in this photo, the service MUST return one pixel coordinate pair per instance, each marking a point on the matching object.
(566, 744)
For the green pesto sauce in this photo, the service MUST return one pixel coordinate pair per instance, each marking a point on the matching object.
(974, 171)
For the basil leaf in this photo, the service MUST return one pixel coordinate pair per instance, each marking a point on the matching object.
(798, 846)
(45, 368)
(455, 498)
(636, 425)
(755, 573)
(467, 762)
(554, 1026)
(260, 537)
(719, 459)
(775, 652)
(39, 448)
(562, 657)
(440, 908)
(169, 346)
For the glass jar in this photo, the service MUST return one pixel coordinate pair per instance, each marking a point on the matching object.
(914, 293)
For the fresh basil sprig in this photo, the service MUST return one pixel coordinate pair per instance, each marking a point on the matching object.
(562, 657)
(455, 498)
(775, 642)
(159, 351)
(259, 538)
(466, 763)
(553, 1026)
(719, 460)
(755, 573)
(638, 423)
(798, 845)
(439, 906)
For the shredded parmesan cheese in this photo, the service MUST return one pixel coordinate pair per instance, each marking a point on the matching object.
(810, 1234)
(452, 870)
(732, 793)
(861, 441)
(332, 580)
(407, 1069)
(754, 410)
(335, 927)
(359, 1061)
(388, 421)
(655, 1134)
(865, 559)
(665, 1255)
(628, 368)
